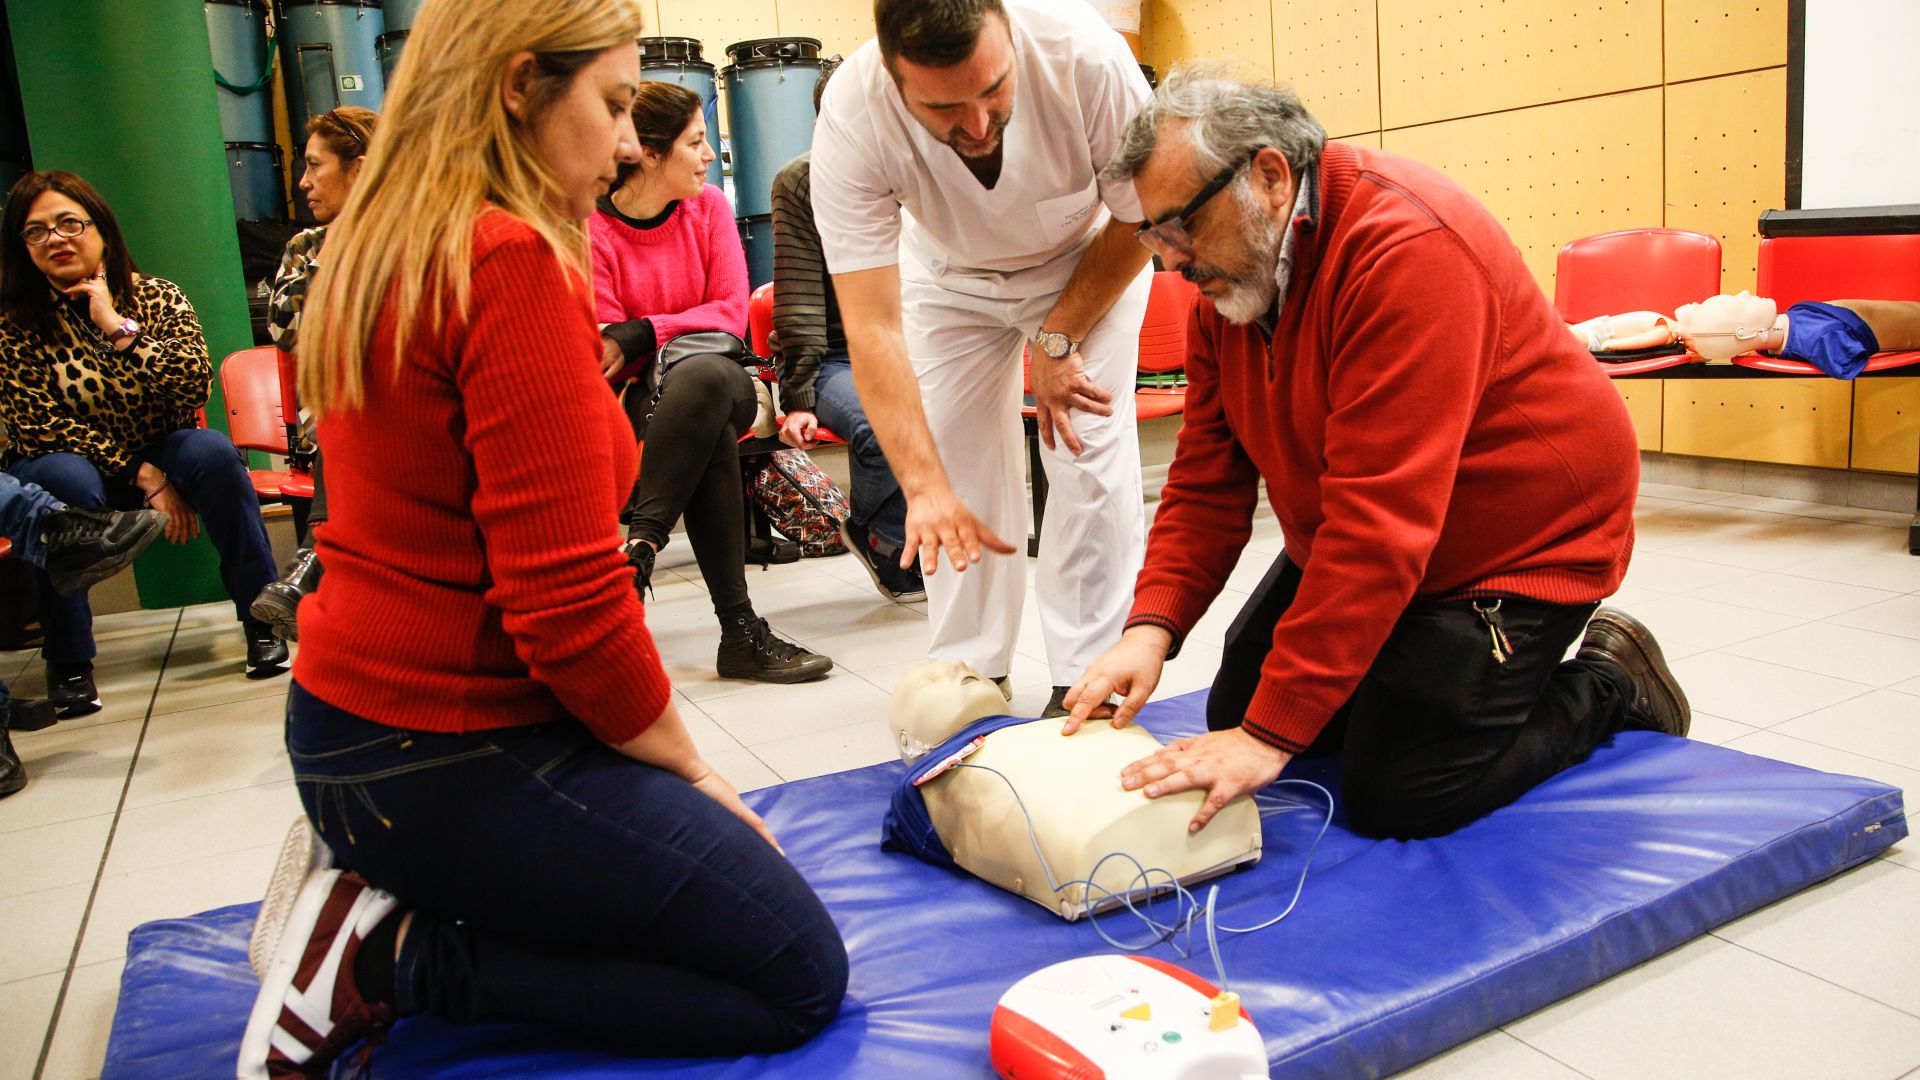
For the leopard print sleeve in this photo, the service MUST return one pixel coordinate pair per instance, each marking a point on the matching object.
(171, 353)
(39, 424)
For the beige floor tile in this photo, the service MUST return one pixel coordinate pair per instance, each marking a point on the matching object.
(1677, 493)
(1659, 572)
(66, 784)
(875, 646)
(208, 667)
(830, 751)
(1755, 693)
(86, 1019)
(1782, 747)
(1706, 623)
(1751, 552)
(207, 825)
(203, 751)
(708, 737)
(772, 713)
(1709, 1009)
(1895, 572)
(837, 608)
(1840, 651)
(124, 901)
(48, 856)
(1493, 1056)
(1899, 616)
(1822, 511)
(1708, 728)
(1884, 724)
(1860, 930)
(742, 769)
(26, 1011)
(41, 928)
(1798, 597)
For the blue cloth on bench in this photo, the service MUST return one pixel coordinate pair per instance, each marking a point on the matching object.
(1397, 951)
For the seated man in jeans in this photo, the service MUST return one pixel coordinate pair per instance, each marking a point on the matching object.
(816, 379)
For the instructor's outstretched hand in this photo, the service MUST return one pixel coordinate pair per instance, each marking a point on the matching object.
(938, 520)
(1228, 764)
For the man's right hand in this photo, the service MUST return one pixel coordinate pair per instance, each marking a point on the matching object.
(1131, 668)
(939, 520)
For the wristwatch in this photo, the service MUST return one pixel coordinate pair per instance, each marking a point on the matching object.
(126, 330)
(1056, 344)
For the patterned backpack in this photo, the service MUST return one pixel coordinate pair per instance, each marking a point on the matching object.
(803, 503)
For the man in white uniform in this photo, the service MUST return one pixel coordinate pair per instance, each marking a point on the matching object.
(956, 187)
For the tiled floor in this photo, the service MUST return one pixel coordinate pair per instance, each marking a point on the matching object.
(1795, 627)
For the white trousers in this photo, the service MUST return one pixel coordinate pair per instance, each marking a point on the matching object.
(966, 352)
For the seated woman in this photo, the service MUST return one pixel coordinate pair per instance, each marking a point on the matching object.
(480, 727)
(336, 145)
(103, 372)
(667, 261)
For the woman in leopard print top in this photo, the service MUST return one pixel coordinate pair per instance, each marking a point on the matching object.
(103, 374)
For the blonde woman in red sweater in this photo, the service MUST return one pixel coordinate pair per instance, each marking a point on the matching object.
(480, 727)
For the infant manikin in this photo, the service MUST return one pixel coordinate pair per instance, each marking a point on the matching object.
(1071, 788)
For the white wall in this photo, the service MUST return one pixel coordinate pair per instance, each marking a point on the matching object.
(1861, 139)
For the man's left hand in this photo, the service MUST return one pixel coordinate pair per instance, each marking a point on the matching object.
(1059, 387)
(1228, 764)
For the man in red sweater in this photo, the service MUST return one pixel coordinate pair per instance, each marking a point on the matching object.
(1453, 474)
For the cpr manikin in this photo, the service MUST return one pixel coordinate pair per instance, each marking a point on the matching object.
(1071, 788)
(1838, 336)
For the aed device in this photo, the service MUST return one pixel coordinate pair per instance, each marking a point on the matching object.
(1122, 1017)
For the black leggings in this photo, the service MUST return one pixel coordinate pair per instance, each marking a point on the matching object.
(691, 466)
(317, 511)
(1438, 732)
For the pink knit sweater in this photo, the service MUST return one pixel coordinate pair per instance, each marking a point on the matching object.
(684, 275)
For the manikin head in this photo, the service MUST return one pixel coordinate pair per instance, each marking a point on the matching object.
(952, 61)
(1725, 326)
(936, 699)
(1215, 163)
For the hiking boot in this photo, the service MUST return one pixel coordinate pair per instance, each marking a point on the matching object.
(640, 556)
(881, 561)
(1658, 703)
(86, 547)
(749, 649)
(266, 653)
(310, 1008)
(279, 603)
(13, 775)
(301, 855)
(70, 688)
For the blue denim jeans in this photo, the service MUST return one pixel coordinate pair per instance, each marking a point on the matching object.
(556, 881)
(877, 500)
(23, 507)
(210, 473)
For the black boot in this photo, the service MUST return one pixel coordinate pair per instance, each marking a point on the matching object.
(86, 547)
(70, 688)
(266, 653)
(13, 775)
(640, 556)
(749, 649)
(278, 605)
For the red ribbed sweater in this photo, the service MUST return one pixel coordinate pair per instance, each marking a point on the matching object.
(1426, 428)
(474, 575)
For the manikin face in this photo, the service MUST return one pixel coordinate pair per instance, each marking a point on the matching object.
(682, 170)
(582, 136)
(66, 260)
(1233, 240)
(936, 699)
(327, 180)
(968, 105)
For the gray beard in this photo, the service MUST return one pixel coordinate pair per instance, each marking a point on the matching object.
(1248, 298)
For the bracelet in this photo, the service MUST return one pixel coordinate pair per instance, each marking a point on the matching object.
(164, 485)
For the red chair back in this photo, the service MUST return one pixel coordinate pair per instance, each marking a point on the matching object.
(289, 392)
(760, 321)
(1798, 268)
(1163, 333)
(250, 379)
(1635, 270)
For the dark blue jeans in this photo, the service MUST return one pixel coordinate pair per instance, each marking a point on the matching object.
(23, 507)
(555, 881)
(210, 473)
(877, 500)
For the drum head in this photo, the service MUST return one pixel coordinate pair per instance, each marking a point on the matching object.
(774, 50)
(658, 49)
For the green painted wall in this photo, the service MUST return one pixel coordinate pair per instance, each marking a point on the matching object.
(122, 93)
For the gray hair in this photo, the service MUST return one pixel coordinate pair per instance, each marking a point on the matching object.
(1225, 118)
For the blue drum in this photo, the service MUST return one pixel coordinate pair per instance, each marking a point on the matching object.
(253, 171)
(677, 60)
(237, 33)
(756, 235)
(400, 15)
(330, 51)
(769, 88)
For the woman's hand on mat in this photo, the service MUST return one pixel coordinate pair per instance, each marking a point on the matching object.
(938, 519)
(798, 429)
(1228, 764)
(1131, 669)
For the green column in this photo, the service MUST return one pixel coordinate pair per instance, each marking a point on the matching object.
(121, 92)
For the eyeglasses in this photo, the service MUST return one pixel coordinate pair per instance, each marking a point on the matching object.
(35, 235)
(1169, 235)
(333, 116)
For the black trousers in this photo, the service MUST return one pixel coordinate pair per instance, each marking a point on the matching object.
(691, 467)
(1439, 732)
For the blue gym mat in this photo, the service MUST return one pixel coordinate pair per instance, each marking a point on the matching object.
(1396, 952)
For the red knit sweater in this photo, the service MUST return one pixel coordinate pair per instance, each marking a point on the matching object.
(1426, 428)
(474, 576)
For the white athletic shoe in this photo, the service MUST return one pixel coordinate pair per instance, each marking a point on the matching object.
(301, 854)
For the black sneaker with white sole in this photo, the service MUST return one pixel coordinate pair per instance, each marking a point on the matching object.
(86, 547)
(70, 687)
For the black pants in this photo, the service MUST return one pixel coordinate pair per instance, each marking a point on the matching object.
(317, 510)
(1439, 732)
(691, 467)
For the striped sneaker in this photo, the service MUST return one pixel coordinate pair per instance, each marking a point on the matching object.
(310, 1011)
(301, 854)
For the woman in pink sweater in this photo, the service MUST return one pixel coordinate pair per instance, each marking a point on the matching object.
(667, 262)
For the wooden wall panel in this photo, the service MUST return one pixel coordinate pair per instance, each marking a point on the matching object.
(1789, 421)
(1716, 37)
(717, 25)
(1886, 425)
(1238, 30)
(1643, 400)
(1552, 173)
(1328, 51)
(841, 25)
(1726, 148)
(1452, 58)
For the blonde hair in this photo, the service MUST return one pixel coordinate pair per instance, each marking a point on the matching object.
(447, 146)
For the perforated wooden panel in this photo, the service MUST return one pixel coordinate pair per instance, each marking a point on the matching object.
(1726, 162)
(1452, 58)
(1886, 425)
(1789, 421)
(1326, 50)
(1714, 37)
(717, 25)
(1237, 30)
(1555, 172)
(841, 25)
(1643, 404)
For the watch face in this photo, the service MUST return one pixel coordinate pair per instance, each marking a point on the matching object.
(1056, 345)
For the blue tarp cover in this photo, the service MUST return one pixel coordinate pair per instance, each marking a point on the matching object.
(1397, 951)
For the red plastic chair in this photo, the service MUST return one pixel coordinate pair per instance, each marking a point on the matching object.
(1794, 269)
(1163, 343)
(256, 420)
(760, 340)
(1636, 270)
